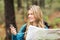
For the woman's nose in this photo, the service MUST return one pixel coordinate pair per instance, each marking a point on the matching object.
(29, 16)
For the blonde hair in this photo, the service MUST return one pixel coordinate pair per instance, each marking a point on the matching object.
(38, 15)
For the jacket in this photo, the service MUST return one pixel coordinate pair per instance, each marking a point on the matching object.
(20, 34)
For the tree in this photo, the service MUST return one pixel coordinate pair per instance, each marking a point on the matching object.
(19, 4)
(51, 2)
(34, 2)
(42, 3)
(9, 17)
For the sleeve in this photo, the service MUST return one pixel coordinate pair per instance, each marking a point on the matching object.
(46, 27)
(20, 34)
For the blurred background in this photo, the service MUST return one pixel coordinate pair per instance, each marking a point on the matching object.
(16, 10)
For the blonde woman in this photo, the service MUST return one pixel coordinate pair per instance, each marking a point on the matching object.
(35, 18)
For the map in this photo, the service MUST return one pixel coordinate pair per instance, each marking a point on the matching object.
(36, 33)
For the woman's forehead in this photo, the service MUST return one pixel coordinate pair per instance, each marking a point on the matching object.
(30, 11)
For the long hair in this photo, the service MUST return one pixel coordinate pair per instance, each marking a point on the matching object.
(38, 15)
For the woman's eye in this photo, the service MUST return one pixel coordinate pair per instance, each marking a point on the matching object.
(31, 14)
(28, 14)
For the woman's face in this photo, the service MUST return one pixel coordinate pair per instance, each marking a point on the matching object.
(31, 16)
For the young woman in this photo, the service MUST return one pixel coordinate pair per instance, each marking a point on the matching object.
(35, 18)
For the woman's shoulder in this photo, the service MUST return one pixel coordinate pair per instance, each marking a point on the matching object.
(24, 25)
(23, 28)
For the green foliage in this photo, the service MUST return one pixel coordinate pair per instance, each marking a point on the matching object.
(1, 6)
(47, 1)
(56, 20)
(1, 11)
(58, 1)
(46, 18)
(15, 1)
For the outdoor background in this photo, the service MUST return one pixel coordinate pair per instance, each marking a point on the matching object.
(50, 8)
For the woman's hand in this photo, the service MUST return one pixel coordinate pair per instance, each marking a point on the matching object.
(13, 30)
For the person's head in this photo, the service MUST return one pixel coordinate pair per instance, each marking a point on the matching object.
(35, 16)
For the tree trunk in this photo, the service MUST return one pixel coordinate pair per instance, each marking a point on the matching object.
(34, 2)
(50, 6)
(19, 4)
(9, 17)
(42, 3)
